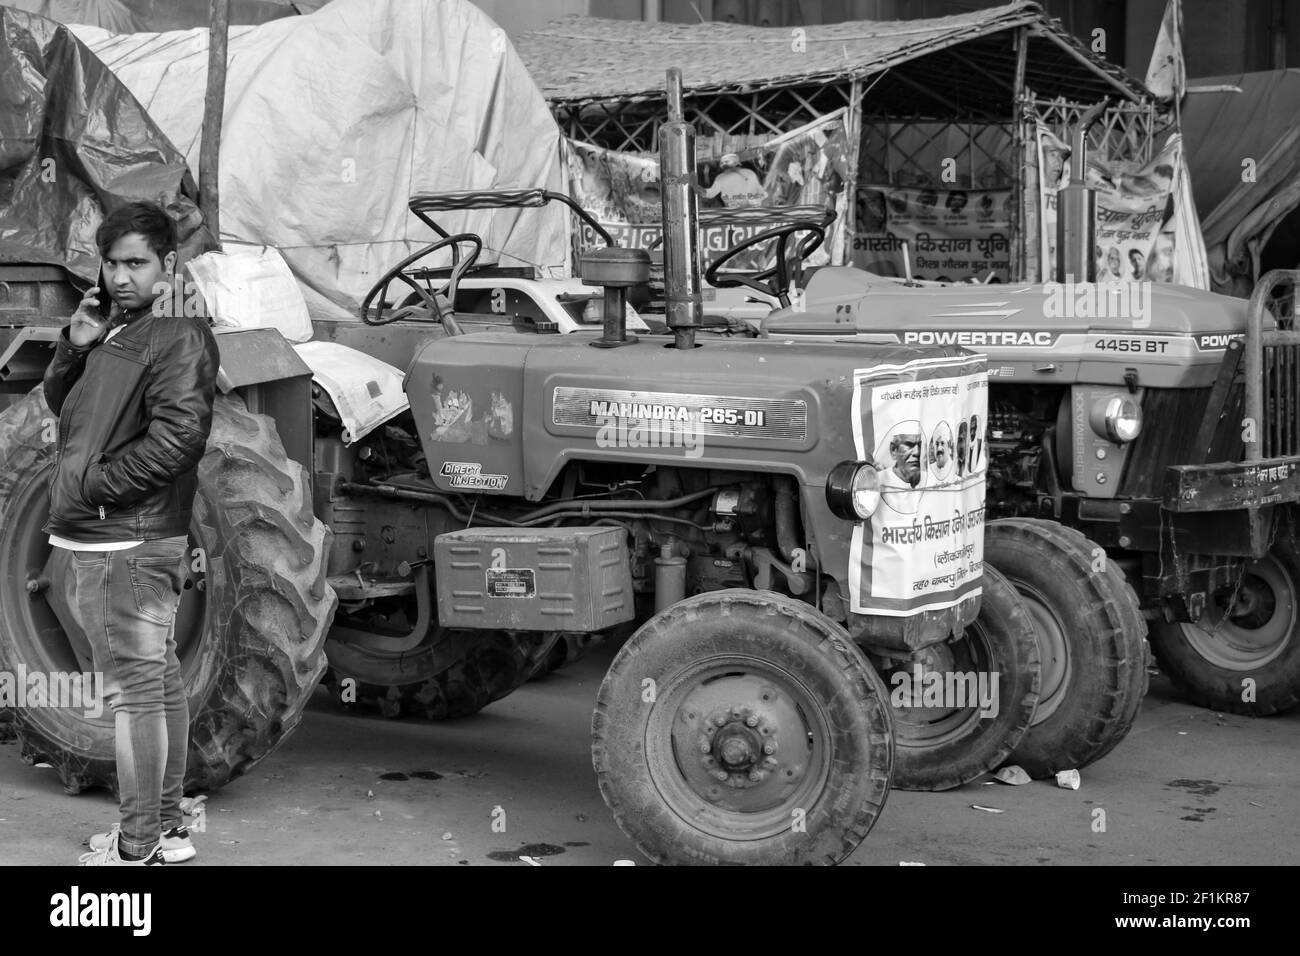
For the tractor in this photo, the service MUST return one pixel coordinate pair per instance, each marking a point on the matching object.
(1144, 467)
(753, 511)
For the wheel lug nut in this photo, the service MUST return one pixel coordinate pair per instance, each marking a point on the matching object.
(755, 776)
(720, 774)
(769, 748)
(751, 721)
(769, 762)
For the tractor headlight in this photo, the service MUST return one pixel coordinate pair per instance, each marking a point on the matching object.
(853, 490)
(1116, 418)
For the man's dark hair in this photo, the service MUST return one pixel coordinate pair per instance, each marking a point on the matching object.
(147, 218)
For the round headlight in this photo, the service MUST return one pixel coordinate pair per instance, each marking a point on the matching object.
(853, 490)
(1117, 419)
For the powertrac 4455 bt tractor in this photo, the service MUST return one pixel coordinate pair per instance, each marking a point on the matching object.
(1144, 467)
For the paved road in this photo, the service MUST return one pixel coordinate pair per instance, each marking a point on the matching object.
(1186, 787)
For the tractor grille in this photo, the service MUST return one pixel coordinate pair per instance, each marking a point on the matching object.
(1281, 432)
(1280, 429)
(1165, 439)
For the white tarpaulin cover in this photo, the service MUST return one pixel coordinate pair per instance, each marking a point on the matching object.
(333, 120)
(365, 390)
(250, 287)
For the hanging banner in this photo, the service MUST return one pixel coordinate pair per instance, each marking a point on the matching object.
(1135, 229)
(922, 425)
(951, 234)
(805, 167)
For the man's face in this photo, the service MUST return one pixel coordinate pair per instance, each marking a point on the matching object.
(1053, 165)
(133, 272)
(907, 458)
(941, 455)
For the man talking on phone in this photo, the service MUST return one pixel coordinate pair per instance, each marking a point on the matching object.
(133, 388)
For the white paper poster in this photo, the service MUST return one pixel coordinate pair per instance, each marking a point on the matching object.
(923, 548)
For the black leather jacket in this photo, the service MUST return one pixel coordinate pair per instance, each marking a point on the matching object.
(134, 416)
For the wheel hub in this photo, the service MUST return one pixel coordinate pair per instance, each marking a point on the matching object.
(920, 725)
(738, 746)
(1247, 626)
(743, 745)
(1053, 651)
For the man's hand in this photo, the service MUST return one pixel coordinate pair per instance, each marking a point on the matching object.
(87, 326)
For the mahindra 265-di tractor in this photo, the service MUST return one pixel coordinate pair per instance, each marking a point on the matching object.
(756, 510)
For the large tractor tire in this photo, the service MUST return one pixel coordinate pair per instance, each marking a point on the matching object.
(569, 649)
(250, 628)
(743, 726)
(949, 739)
(454, 672)
(1243, 655)
(1091, 637)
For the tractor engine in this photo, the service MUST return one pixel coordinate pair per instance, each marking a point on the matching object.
(733, 529)
(1019, 420)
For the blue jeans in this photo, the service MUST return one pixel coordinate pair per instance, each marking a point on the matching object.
(125, 603)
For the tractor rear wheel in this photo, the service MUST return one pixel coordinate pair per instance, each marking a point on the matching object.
(742, 726)
(1243, 656)
(454, 672)
(569, 649)
(250, 628)
(962, 706)
(1091, 637)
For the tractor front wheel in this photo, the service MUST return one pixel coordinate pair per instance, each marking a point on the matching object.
(1243, 655)
(1091, 637)
(961, 707)
(742, 727)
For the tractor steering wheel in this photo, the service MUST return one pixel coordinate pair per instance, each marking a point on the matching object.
(429, 296)
(780, 271)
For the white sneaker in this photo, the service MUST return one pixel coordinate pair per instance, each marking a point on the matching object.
(109, 855)
(176, 844)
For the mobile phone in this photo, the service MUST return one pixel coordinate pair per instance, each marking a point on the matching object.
(105, 303)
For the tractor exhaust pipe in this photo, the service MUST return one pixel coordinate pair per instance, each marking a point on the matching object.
(681, 231)
(1076, 210)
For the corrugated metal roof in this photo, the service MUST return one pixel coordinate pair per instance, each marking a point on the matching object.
(576, 59)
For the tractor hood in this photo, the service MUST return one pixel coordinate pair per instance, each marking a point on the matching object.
(501, 414)
(1174, 336)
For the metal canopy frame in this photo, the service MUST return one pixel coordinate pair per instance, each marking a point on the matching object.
(963, 87)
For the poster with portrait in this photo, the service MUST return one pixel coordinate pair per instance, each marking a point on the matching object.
(1135, 228)
(950, 234)
(923, 426)
(804, 167)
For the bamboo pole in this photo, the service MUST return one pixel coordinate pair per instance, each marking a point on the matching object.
(214, 104)
(1019, 252)
(851, 187)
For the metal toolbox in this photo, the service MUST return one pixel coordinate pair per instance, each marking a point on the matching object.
(533, 579)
